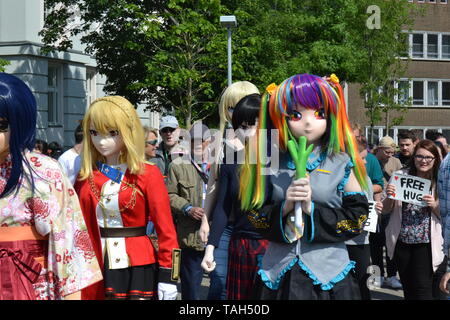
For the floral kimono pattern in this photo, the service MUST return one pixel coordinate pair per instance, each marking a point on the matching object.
(69, 263)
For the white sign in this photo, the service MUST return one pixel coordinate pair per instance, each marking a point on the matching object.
(410, 189)
(372, 219)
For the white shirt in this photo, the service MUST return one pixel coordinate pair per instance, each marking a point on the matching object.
(71, 164)
(112, 218)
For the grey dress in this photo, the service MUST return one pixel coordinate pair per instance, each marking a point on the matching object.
(336, 217)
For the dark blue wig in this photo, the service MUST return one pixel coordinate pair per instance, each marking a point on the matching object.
(18, 107)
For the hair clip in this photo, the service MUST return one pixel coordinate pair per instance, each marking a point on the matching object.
(271, 88)
(333, 78)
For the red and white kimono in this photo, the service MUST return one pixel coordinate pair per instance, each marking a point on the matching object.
(151, 204)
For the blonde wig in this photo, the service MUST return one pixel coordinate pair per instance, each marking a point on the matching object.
(113, 113)
(231, 96)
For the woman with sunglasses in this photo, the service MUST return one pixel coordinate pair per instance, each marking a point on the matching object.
(151, 145)
(45, 249)
(413, 235)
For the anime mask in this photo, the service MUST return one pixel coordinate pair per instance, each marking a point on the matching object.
(309, 123)
(109, 145)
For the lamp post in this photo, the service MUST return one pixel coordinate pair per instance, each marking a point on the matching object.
(228, 22)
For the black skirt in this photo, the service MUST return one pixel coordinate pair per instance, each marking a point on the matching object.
(296, 285)
(132, 283)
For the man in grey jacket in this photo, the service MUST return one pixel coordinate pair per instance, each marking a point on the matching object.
(170, 147)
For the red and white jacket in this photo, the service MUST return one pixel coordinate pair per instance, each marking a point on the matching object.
(152, 204)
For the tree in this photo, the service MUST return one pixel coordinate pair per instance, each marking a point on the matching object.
(162, 53)
(380, 41)
(3, 63)
(285, 37)
(172, 53)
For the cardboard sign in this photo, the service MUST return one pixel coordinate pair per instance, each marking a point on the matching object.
(410, 189)
(372, 219)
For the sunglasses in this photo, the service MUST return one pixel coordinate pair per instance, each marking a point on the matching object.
(167, 130)
(152, 142)
(4, 126)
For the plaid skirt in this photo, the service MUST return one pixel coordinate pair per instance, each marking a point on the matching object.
(244, 256)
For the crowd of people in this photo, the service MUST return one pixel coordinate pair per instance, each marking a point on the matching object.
(130, 211)
(410, 235)
(52, 149)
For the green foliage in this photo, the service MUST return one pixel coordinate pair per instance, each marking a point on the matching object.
(162, 53)
(172, 53)
(3, 63)
(283, 38)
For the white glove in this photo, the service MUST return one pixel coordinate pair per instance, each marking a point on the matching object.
(208, 264)
(167, 291)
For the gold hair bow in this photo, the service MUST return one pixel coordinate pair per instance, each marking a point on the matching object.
(333, 78)
(271, 88)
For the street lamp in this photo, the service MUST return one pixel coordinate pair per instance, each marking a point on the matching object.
(228, 22)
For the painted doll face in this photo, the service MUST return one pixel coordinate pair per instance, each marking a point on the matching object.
(108, 145)
(309, 123)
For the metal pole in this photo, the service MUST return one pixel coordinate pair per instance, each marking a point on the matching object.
(229, 57)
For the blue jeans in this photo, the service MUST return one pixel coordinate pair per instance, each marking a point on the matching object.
(191, 273)
(218, 278)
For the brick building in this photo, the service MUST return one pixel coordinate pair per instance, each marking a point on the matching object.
(428, 74)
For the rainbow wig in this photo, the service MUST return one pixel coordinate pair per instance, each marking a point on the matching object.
(278, 103)
(18, 107)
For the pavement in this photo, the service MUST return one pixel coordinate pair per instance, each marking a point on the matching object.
(385, 293)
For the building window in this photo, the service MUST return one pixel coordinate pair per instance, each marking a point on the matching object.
(443, 1)
(403, 87)
(429, 45)
(424, 92)
(445, 46)
(446, 93)
(418, 93)
(432, 46)
(432, 93)
(393, 132)
(417, 50)
(54, 95)
(91, 87)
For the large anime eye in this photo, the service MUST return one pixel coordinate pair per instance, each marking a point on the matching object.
(320, 114)
(4, 125)
(295, 116)
(114, 133)
(93, 133)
